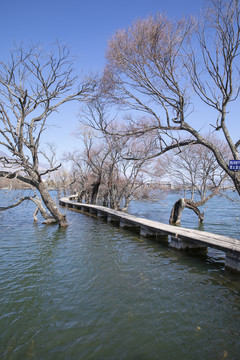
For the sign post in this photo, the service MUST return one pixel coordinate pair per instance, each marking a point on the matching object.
(234, 165)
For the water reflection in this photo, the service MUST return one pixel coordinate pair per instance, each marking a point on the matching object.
(48, 241)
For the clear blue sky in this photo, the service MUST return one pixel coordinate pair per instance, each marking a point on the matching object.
(85, 26)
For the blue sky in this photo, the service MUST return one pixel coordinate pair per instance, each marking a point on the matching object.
(85, 26)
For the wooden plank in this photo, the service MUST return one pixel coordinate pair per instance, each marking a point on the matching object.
(220, 242)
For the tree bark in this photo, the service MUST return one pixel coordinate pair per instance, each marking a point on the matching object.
(126, 204)
(236, 181)
(176, 213)
(95, 188)
(81, 195)
(59, 218)
(105, 198)
(179, 206)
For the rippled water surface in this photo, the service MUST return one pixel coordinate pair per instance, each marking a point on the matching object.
(94, 291)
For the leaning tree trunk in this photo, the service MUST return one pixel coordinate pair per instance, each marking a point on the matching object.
(236, 181)
(176, 213)
(48, 218)
(179, 206)
(58, 218)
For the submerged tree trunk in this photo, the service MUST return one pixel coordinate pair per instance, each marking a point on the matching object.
(179, 206)
(176, 213)
(126, 203)
(48, 218)
(58, 218)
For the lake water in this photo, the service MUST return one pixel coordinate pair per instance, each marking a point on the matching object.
(95, 291)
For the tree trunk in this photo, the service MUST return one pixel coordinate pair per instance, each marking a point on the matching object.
(126, 204)
(35, 214)
(176, 213)
(105, 199)
(44, 213)
(111, 200)
(236, 181)
(87, 197)
(81, 195)
(192, 206)
(179, 206)
(95, 188)
(51, 206)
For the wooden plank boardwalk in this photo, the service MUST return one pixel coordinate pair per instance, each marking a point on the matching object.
(179, 238)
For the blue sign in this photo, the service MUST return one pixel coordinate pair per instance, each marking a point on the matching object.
(234, 165)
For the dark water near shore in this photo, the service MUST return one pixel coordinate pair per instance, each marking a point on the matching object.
(94, 291)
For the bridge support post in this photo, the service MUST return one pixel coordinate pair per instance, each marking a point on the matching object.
(93, 211)
(101, 214)
(181, 244)
(113, 219)
(124, 224)
(154, 234)
(85, 208)
(232, 260)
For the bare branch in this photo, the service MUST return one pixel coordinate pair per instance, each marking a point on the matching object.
(25, 198)
(156, 66)
(33, 85)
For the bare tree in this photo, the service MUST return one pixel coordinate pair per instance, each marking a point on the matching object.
(127, 161)
(60, 180)
(33, 85)
(110, 178)
(81, 173)
(195, 170)
(89, 164)
(158, 67)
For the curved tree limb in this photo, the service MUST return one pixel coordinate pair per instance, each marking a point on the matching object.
(16, 175)
(48, 218)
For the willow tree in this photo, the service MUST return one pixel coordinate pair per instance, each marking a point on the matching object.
(159, 67)
(195, 170)
(103, 172)
(34, 84)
